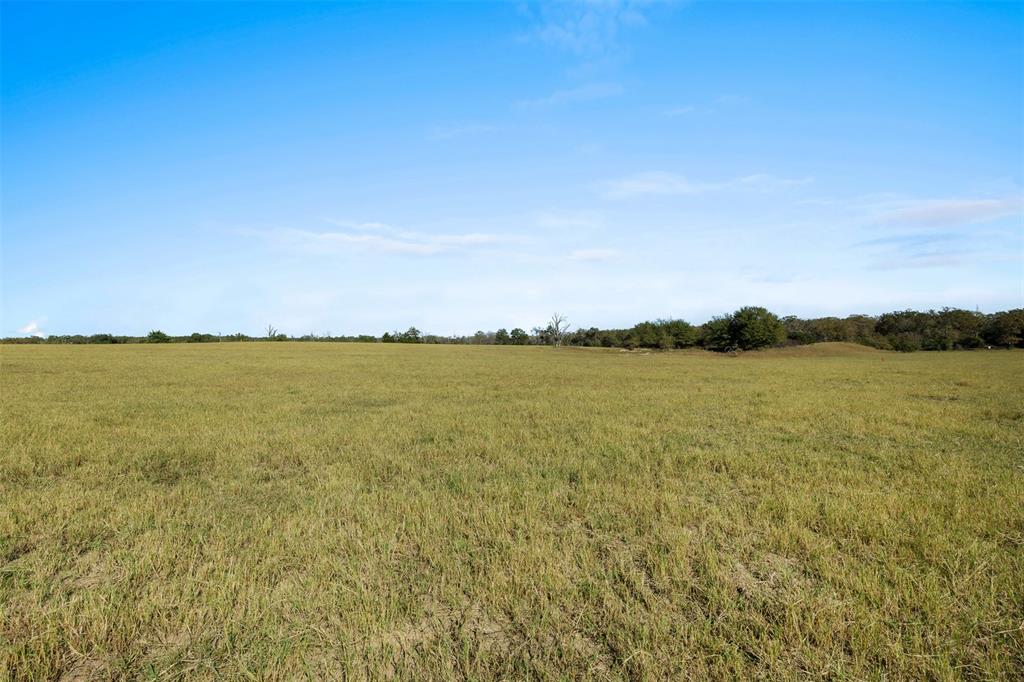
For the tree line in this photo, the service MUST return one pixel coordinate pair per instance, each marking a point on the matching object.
(748, 328)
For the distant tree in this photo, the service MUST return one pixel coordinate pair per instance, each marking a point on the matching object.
(1005, 328)
(746, 329)
(681, 333)
(905, 342)
(157, 336)
(910, 330)
(271, 332)
(584, 337)
(556, 330)
(755, 327)
(519, 337)
(501, 337)
(387, 338)
(648, 335)
(904, 330)
(717, 334)
(964, 326)
(612, 338)
(410, 335)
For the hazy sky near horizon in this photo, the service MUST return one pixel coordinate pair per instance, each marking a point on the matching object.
(357, 168)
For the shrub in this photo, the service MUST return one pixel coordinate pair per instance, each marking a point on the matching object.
(1005, 328)
(754, 327)
(905, 342)
(746, 329)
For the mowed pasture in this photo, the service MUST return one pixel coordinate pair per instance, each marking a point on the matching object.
(286, 510)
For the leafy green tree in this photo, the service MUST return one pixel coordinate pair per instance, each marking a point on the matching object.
(1005, 328)
(682, 333)
(519, 337)
(502, 338)
(905, 342)
(157, 336)
(746, 329)
(584, 337)
(717, 334)
(754, 327)
(965, 326)
(410, 335)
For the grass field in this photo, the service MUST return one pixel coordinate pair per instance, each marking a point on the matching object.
(317, 510)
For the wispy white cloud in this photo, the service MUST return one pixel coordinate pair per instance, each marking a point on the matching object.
(916, 251)
(470, 239)
(586, 28)
(921, 260)
(583, 93)
(377, 237)
(680, 111)
(656, 183)
(335, 242)
(32, 329)
(593, 254)
(464, 130)
(949, 212)
(366, 226)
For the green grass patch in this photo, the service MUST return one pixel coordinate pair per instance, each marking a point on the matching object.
(318, 510)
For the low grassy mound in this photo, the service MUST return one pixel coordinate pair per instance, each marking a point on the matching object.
(826, 349)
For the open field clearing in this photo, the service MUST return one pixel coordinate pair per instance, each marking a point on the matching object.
(293, 510)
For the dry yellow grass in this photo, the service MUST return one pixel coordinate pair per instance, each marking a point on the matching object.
(223, 511)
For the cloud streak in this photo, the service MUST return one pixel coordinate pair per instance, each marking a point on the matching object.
(467, 130)
(583, 93)
(931, 213)
(679, 111)
(587, 28)
(376, 237)
(916, 251)
(656, 183)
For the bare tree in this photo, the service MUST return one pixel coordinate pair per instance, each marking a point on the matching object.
(271, 332)
(558, 327)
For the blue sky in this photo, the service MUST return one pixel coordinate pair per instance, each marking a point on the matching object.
(358, 168)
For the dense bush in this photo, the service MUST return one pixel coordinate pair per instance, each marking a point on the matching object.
(1005, 328)
(746, 329)
(661, 334)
